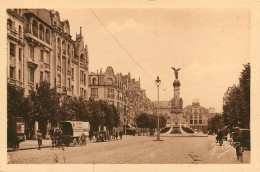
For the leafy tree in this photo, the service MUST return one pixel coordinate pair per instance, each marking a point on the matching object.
(17, 104)
(215, 123)
(46, 104)
(236, 111)
(95, 115)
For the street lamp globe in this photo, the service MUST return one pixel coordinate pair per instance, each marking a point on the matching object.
(157, 81)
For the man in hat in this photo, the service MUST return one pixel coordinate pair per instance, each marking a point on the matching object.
(39, 139)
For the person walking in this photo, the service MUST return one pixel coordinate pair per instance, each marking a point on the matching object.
(238, 139)
(121, 134)
(39, 139)
(116, 135)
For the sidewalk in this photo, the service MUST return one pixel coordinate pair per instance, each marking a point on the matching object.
(33, 144)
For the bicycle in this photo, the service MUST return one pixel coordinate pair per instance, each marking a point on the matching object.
(240, 150)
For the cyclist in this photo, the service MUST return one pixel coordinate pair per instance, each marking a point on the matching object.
(238, 139)
(219, 137)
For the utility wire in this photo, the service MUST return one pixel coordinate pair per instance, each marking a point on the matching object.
(119, 43)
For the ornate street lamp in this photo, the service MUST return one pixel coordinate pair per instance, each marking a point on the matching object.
(158, 82)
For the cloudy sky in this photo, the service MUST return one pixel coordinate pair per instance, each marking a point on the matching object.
(209, 45)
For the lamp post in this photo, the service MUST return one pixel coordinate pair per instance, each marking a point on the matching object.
(158, 82)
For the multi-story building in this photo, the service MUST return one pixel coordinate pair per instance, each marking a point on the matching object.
(196, 116)
(110, 87)
(15, 47)
(40, 48)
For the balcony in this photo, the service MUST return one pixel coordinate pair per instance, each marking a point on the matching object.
(59, 67)
(110, 96)
(12, 61)
(13, 34)
(95, 96)
(83, 65)
(32, 63)
(34, 36)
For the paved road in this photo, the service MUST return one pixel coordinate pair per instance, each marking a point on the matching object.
(135, 150)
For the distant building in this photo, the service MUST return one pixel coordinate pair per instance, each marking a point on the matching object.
(107, 86)
(196, 115)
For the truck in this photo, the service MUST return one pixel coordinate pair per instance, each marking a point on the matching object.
(15, 132)
(73, 130)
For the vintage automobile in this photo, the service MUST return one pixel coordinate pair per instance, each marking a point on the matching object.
(101, 136)
(72, 132)
(246, 136)
(15, 132)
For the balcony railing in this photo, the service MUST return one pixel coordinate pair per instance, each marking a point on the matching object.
(110, 96)
(94, 96)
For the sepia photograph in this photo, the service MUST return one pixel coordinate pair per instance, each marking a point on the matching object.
(150, 86)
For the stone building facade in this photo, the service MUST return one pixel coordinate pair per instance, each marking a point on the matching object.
(40, 48)
(110, 87)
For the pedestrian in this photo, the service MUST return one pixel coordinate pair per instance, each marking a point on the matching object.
(238, 139)
(39, 139)
(121, 134)
(56, 137)
(116, 135)
(90, 135)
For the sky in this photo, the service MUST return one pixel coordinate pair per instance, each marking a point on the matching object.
(209, 45)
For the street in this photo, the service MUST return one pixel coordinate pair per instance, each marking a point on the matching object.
(132, 150)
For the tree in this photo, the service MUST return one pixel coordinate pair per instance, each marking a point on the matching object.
(95, 115)
(215, 123)
(17, 104)
(236, 111)
(46, 104)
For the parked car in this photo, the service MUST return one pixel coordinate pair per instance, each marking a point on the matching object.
(15, 132)
(246, 136)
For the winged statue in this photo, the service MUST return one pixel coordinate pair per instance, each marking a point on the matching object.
(176, 72)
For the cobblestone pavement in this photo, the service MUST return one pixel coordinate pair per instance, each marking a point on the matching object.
(133, 150)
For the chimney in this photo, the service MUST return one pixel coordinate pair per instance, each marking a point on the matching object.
(97, 71)
(80, 31)
(100, 70)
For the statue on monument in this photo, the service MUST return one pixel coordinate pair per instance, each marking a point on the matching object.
(176, 72)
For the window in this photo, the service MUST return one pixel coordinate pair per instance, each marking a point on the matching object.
(191, 121)
(59, 61)
(72, 73)
(47, 60)
(72, 90)
(109, 81)
(69, 50)
(81, 76)
(31, 75)
(47, 36)
(41, 32)
(59, 46)
(10, 24)
(85, 94)
(41, 76)
(32, 53)
(69, 84)
(35, 28)
(110, 93)
(191, 116)
(82, 58)
(20, 54)
(47, 76)
(200, 121)
(195, 122)
(12, 49)
(41, 55)
(94, 81)
(20, 30)
(12, 72)
(59, 81)
(94, 92)
(63, 47)
(20, 75)
(85, 79)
